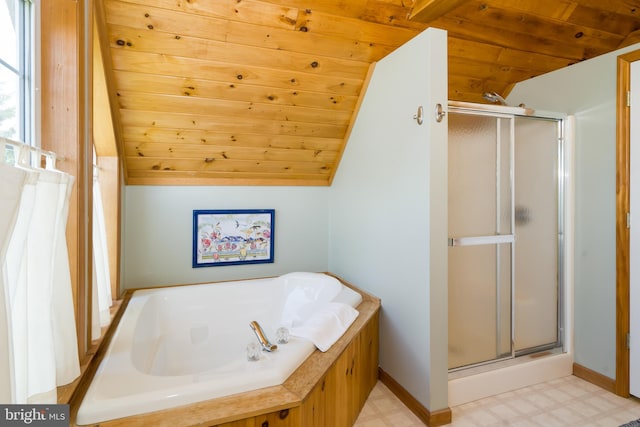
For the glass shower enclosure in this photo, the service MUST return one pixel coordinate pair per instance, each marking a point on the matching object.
(505, 234)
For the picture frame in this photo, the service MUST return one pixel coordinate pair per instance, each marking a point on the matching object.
(232, 237)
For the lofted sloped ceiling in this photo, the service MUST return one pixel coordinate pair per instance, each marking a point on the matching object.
(248, 92)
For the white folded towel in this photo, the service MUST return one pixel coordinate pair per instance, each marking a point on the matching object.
(305, 293)
(326, 325)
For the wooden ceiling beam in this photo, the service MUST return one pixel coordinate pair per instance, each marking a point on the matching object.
(429, 10)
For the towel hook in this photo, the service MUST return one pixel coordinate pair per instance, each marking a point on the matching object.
(419, 116)
(440, 113)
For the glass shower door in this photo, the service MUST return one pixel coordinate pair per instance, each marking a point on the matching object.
(481, 224)
(538, 228)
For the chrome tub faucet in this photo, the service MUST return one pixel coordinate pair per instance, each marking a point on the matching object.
(262, 338)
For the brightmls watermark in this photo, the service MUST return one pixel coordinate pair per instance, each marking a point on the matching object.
(34, 415)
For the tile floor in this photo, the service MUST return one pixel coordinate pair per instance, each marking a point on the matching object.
(568, 401)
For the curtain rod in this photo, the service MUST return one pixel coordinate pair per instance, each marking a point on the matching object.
(50, 155)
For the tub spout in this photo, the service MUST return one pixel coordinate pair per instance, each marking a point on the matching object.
(262, 338)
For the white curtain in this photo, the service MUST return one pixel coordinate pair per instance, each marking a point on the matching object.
(13, 181)
(102, 301)
(37, 326)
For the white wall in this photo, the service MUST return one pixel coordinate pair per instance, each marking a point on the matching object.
(588, 90)
(388, 193)
(158, 228)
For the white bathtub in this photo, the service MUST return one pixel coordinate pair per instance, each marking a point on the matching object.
(179, 345)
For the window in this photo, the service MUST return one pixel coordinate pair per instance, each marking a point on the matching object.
(16, 70)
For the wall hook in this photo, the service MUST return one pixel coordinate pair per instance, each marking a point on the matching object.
(419, 116)
(440, 113)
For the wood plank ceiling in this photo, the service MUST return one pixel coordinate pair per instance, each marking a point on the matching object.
(249, 92)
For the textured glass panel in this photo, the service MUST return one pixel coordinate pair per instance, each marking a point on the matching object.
(536, 214)
(478, 331)
(472, 175)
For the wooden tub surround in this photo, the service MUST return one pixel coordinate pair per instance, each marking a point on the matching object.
(328, 389)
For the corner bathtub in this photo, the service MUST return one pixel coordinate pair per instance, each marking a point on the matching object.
(179, 345)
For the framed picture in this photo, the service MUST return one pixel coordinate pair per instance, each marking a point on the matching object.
(232, 237)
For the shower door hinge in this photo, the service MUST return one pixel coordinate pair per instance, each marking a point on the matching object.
(628, 98)
(628, 219)
(628, 340)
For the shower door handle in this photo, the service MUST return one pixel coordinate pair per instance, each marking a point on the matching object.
(482, 240)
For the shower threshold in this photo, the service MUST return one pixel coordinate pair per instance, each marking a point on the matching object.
(508, 375)
(503, 363)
